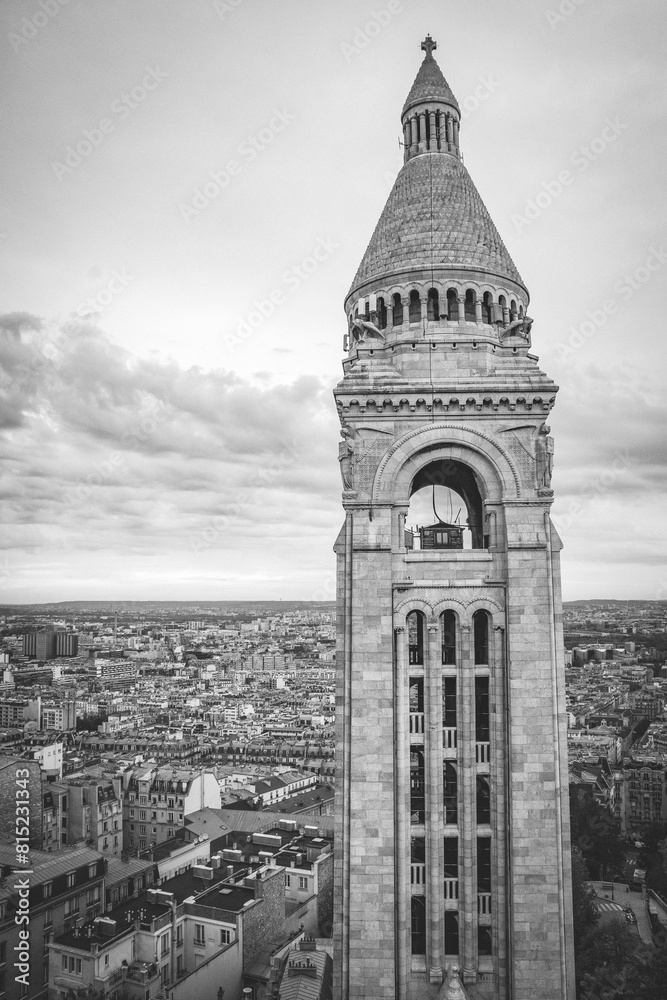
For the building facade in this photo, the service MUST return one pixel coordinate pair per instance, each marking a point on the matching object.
(453, 866)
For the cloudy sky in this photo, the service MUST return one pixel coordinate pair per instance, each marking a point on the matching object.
(170, 166)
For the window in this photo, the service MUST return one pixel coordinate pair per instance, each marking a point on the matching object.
(48, 917)
(71, 906)
(448, 638)
(64, 963)
(417, 786)
(483, 800)
(71, 879)
(450, 866)
(2, 982)
(199, 934)
(418, 913)
(288, 881)
(106, 961)
(164, 945)
(3, 952)
(484, 941)
(482, 709)
(92, 870)
(179, 935)
(303, 882)
(93, 896)
(226, 935)
(480, 621)
(450, 792)
(47, 889)
(483, 864)
(451, 933)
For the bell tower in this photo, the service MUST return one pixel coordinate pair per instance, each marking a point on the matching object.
(452, 847)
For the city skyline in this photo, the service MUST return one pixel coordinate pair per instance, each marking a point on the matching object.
(175, 287)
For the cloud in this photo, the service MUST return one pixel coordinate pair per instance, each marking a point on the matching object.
(110, 452)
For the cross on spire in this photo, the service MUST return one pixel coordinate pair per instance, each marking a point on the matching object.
(428, 45)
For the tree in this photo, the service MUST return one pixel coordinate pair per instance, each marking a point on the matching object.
(586, 913)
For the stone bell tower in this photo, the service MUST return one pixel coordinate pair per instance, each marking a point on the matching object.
(452, 848)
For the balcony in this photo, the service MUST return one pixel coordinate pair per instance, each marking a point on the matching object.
(483, 754)
(451, 889)
(484, 906)
(449, 741)
(417, 874)
(417, 724)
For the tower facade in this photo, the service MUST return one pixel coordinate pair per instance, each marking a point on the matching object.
(452, 850)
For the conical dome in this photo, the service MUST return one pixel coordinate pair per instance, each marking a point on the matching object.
(434, 219)
(430, 84)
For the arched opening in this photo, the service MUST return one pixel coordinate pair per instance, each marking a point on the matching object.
(483, 800)
(449, 792)
(451, 933)
(502, 302)
(417, 786)
(415, 307)
(513, 310)
(433, 304)
(480, 621)
(446, 510)
(452, 305)
(448, 624)
(484, 941)
(418, 928)
(521, 312)
(382, 313)
(416, 637)
(397, 310)
(487, 308)
(470, 306)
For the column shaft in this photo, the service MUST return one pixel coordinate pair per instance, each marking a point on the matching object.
(434, 823)
(467, 818)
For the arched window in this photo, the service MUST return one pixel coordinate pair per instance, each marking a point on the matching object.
(513, 312)
(483, 800)
(382, 313)
(449, 792)
(417, 787)
(448, 619)
(446, 510)
(487, 308)
(470, 306)
(452, 305)
(480, 621)
(415, 307)
(484, 941)
(416, 637)
(451, 933)
(397, 310)
(433, 304)
(418, 913)
(521, 311)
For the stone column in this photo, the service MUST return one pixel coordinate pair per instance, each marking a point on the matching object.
(414, 140)
(467, 775)
(456, 134)
(422, 132)
(433, 144)
(406, 141)
(478, 310)
(462, 308)
(450, 133)
(498, 810)
(402, 799)
(434, 821)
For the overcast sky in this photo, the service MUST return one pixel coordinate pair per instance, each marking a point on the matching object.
(170, 165)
